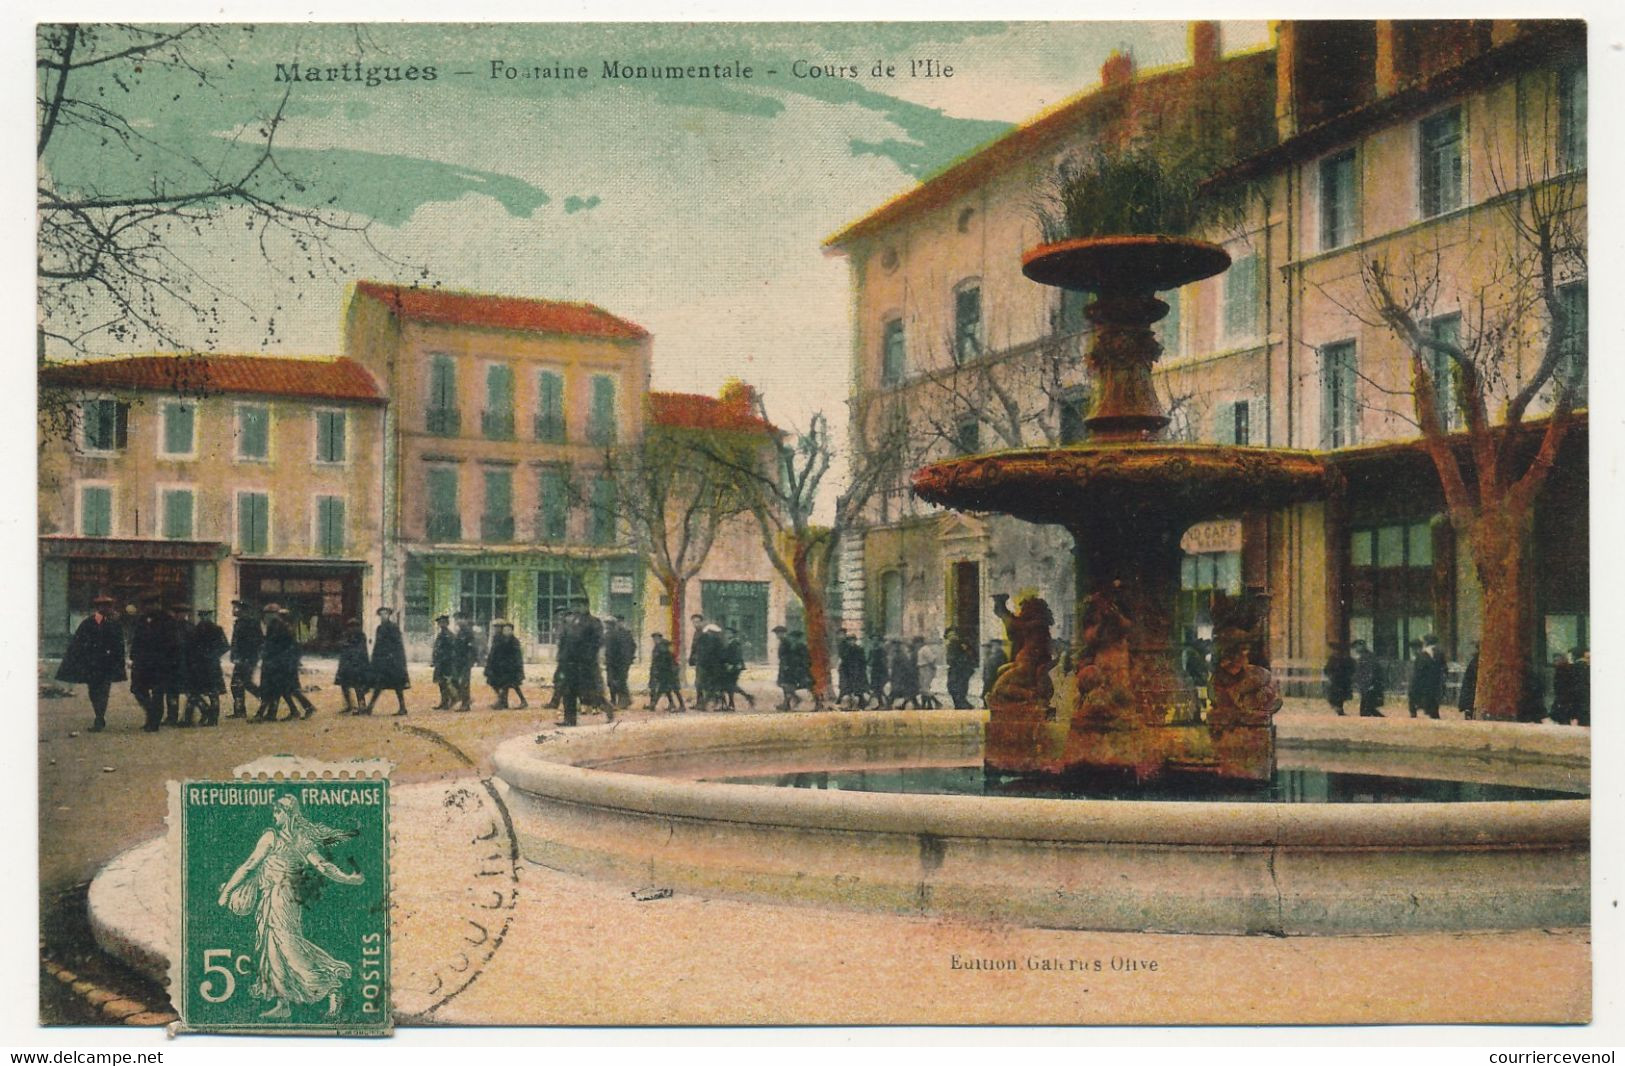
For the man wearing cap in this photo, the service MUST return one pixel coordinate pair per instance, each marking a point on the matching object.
(463, 656)
(663, 674)
(1367, 680)
(95, 658)
(505, 665)
(1339, 673)
(440, 660)
(205, 680)
(247, 641)
(279, 667)
(353, 677)
(388, 662)
(620, 648)
(147, 650)
(176, 671)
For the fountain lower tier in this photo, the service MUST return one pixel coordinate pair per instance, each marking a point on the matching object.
(1127, 505)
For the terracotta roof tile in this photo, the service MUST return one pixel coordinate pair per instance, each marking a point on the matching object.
(735, 411)
(315, 379)
(501, 312)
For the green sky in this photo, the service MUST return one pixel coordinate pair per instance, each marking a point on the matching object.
(695, 208)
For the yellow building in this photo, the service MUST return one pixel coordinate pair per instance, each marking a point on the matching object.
(494, 474)
(207, 479)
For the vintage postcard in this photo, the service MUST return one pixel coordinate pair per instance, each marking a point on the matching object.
(886, 523)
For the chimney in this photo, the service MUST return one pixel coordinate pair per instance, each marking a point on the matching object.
(1206, 44)
(1117, 70)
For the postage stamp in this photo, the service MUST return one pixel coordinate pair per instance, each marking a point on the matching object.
(284, 906)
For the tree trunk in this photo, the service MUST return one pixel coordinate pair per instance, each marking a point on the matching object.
(1501, 547)
(817, 618)
(673, 588)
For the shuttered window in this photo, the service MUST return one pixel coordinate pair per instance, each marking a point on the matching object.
(253, 523)
(253, 431)
(330, 525)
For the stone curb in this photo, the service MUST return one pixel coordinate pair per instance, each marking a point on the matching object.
(112, 1005)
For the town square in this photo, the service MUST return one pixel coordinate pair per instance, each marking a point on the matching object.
(948, 532)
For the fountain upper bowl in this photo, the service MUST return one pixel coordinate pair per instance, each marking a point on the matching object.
(1124, 264)
(1068, 485)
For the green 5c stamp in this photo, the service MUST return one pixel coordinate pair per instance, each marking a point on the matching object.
(284, 914)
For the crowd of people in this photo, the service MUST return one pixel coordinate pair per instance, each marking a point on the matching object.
(1353, 672)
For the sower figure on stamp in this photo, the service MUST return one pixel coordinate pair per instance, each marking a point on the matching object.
(247, 641)
(95, 658)
(441, 656)
(354, 676)
(289, 968)
(205, 680)
(388, 662)
(505, 665)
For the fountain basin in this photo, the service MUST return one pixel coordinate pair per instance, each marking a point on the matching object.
(1152, 482)
(1151, 262)
(625, 803)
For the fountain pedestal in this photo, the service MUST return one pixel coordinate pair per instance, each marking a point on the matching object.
(1127, 499)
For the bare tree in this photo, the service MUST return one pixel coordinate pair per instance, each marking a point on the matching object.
(782, 494)
(1491, 484)
(676, 498)
(118, 200)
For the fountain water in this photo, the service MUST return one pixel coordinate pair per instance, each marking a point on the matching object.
(1127, 497)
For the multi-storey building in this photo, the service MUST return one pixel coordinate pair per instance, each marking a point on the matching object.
(978, 358)
(1402, 141)
(206, 479)
(495, 486)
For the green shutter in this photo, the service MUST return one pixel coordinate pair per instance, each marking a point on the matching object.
(1168, 328)
(253, 523)
(1241, 298)
(550, 408)
(96, 511)
(177, 514)
(602, 422)
(178, 428)
(498, 493)
(253, 432)
(555, 507)
(330, 525)
(330, 430)
(603, 510)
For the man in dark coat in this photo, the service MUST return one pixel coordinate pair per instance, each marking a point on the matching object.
(205, 680)
(1562, 690)
(247, 640)
(279, 665)
(733, 665)
(853, 672)
(1467, 695)
(579, 680)
(961, 658)
(1339, 673)
(176, 671)
(95, 658)
(904, 670)
(993, 661)
(1367, 681)
(706, 656)
(879, 676)
(620, 648)
(1580, 660)
(663, 674)
(388, 662)
(789, 676)
(440, 660)
(464, 655)
(1427, 678)
(354, 675)
(148, 650)
(505, 665)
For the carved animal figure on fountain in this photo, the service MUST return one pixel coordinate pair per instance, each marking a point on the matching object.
(1024, 681)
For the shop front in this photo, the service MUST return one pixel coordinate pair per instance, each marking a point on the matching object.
(75, 570)
(319, 597)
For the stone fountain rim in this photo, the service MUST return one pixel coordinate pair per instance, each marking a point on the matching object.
(1212, 259)
(549, 770)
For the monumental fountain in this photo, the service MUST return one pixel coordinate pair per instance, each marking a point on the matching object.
(1127, 498)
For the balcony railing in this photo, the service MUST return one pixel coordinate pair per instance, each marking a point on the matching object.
(443, 421)
(497, 425)
(497, 528)
(445, 527)
(550, 429)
